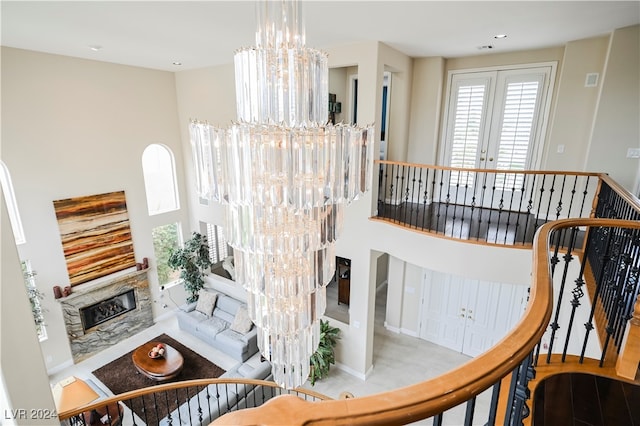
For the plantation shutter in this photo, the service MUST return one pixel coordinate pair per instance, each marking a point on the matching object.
(218, 249)
(467, 117)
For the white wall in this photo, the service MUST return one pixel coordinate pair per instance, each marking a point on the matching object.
(73, 127)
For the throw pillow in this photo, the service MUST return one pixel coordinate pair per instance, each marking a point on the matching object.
(206, 302)
(241, 322)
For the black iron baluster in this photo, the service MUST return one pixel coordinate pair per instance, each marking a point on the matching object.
(573, 194)
(435, 202)
(552, 190)
(568, 257)
(559, 206)
(425, 198)
(166, 400)
(577, 293)
(207, 396)
(440, 199)
(493, 406)
(155, 406)
(519, 214)
(468, 415)
(510, 210)
(393, 189)
(530, 208)
(481, 212)
(539, 209)
(501, 205)
(606, 233)
(414, 204)
(382, 190)
(405, 191)
(519, 392)
(617, 281)
(493, 194)
(437, 419)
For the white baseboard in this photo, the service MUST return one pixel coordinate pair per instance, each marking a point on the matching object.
(409, 332)
(392, 328)
(352, 372)
(58, 368)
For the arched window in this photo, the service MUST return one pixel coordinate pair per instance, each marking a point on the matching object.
(12, 205)
(158, 168)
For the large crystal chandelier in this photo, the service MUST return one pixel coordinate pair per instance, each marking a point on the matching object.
(284, 175)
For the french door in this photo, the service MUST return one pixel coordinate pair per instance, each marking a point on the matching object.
(495, 120)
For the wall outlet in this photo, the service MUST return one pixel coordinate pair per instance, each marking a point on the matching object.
(560, 149)
(633, 153)
(355, 324)
(410, 290)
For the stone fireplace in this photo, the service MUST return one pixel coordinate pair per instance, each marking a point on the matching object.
(98, 315)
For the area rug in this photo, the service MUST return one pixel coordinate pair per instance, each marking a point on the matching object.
(121, 376)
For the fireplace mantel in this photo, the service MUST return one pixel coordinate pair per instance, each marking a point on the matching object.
(86, 343)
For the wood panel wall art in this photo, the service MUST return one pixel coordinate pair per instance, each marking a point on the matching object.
(96, 237)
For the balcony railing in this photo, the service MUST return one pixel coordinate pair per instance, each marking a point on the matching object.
(493, 206)
(584, 284)
(192, 402)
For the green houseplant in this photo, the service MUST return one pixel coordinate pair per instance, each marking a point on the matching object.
(192, 260)
(324, 356)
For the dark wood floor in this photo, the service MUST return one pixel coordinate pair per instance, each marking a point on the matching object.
(576, 399)
(469, 222)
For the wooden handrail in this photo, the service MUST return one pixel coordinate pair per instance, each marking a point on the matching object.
(497, 171)
(628, 197)
(425, 399)
(179, 385)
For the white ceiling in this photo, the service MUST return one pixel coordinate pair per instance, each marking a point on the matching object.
(154, 34)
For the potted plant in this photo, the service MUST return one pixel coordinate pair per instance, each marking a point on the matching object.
(324, 356)
(192, 260)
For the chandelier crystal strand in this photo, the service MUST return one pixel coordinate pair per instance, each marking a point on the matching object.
(283, 175)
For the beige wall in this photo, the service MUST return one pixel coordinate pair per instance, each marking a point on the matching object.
(575, 104)
(22, 370)
(73, 127)
(617, 122)
(426, 103)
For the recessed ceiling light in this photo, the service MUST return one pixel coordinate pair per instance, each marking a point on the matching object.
(177, 63)
(95, 47)
(499, 36)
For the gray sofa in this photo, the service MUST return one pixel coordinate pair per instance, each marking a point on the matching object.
(215, 330)
(216, 400)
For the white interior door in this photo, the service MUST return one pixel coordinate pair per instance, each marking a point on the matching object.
(466, 315)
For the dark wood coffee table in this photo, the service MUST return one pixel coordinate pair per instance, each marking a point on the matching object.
(158, 369)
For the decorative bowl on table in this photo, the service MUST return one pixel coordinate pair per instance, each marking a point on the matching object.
(157, 351)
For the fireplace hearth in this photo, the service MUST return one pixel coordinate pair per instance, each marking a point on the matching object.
(107, 309)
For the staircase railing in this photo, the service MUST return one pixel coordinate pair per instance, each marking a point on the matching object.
(191, 402)
(493, 206)
(504, 370)
(572, 258)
